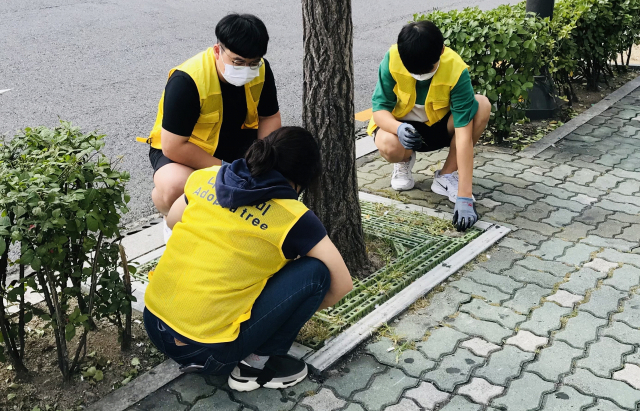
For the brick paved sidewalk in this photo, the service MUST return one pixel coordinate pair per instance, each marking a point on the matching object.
(549, 319)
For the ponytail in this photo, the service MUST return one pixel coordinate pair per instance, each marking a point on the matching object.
(292, 151)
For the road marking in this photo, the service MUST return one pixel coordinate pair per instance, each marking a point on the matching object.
(364, 115)
(4, 91)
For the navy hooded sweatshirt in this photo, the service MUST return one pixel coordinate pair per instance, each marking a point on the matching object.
(235, 187)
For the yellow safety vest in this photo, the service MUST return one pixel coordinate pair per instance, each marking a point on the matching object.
(202, 69)
(438, 101)
(218, 261)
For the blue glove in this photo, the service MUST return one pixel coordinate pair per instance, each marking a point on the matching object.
(464, 213)
(409, 137)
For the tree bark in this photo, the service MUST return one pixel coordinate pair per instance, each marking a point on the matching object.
(328, 113)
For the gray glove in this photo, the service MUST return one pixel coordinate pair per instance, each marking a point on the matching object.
(464, 213)
(409, 137)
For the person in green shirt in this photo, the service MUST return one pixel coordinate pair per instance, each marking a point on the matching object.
(424, 101)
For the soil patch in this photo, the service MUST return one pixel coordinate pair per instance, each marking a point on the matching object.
(105, 368)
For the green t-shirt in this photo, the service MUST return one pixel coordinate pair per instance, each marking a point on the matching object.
(463, 102)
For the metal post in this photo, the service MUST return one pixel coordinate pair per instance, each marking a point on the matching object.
(542, 103)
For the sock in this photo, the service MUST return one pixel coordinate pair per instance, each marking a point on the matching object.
(256, 361)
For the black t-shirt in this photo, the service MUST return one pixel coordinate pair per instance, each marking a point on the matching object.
(182, 109)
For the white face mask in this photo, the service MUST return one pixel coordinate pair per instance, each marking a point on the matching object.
(239, 76)
(427, 76)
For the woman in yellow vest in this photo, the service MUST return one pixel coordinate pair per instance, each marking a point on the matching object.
(213, 107)
(424, 101)
(230, 294)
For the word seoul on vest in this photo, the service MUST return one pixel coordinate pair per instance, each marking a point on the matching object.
(245, 214)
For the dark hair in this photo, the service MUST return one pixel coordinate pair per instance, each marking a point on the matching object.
(420, 46)
(244, 34)
(292, 151)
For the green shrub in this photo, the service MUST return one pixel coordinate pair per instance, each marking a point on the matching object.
(502, 48)
(61, 201)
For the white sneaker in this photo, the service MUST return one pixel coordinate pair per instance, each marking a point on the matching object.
(401, 179)
(166, 231)
(446, 185)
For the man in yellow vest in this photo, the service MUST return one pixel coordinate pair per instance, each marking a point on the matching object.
(424, 101)
(213, 107)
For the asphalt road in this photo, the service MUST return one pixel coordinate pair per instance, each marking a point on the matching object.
(103, 64)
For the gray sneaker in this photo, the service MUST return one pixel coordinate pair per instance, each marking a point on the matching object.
(280, 371)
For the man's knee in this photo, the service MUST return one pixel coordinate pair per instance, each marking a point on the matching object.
(317, 270)
(484, 110)
(389, 147)
(168, 194)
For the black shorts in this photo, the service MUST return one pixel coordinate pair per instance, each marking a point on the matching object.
(158, 159)
(434, 137)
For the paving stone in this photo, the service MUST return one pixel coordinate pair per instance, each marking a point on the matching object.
(560, 218)
(504, 365)
(487, 292)
(264, 400)
(191, 386)
(537, 211)
(503, 212)
(480, 347)
(526, 298)
(580, 330)
(486, 182)
(161, 400)
(542, 228)
(500, 281)
(554, 361)
(427, 395)
(540, 278)
(634, 175)
(628, 187)
(622, 332)
(562, 171)
(325, 400)
(563, 156)
(481, 391)
(411, 361)
(489, 168)
(633, 358)
(403, 405)
(484, 311)
(624, 278)
(441, 341)
(610, 228)
(566, 399)
(487, 202)
(500, 179)
(442, 304)
(552, 190)
(453, 369)
(577, 254)
(528, 236)
(533, 263)
(619, 207)
(593, 215)
(355, 376)
(354, 407)
(385, 389)
(602, 301)
(508, 163)
(629, 374)
(584, 199)
(516, 245)
(618, 244)
(582, 189)
(536, 162)
(621, 393)
(611, 159)
(499, 260)
(604, 356)
(583, 176)
(604, 405)
(601, 265)
(545, 319)
(575, 231)
(565, 299)
(219, 401)
(459, 403)
(302, 389)
(524, 393)
(551, 249)
(542, 180)
(568, 204)
(490, 331)
(589, 165)
(631, 233)
(625, 258)
(525, 193)
(630, 312)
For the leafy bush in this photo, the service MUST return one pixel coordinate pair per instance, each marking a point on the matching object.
(502, 48)
(61, 201)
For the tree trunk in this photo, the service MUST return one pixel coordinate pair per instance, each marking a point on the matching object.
(328, 113)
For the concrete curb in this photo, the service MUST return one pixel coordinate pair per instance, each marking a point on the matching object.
(563, 131)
